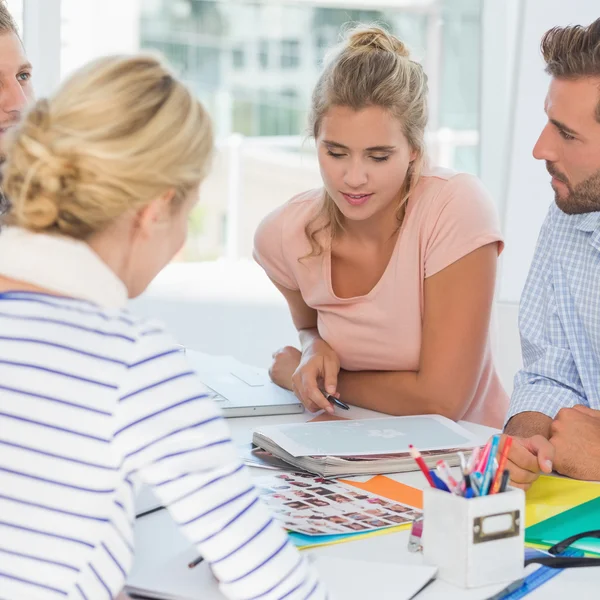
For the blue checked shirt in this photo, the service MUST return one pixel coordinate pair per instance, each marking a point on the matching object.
(559, 318)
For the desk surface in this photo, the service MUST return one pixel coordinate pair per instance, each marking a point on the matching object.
(384, 548)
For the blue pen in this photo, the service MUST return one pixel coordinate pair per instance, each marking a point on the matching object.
(489, 468)
(439, 484)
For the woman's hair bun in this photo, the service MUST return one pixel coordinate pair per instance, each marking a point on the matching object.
(48, 178)
(376, 38)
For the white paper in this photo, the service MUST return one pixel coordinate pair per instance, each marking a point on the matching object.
(388, 435)
(347, 579)
(173, 580)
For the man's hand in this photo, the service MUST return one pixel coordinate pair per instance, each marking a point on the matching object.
(575, 436)
(527, 458)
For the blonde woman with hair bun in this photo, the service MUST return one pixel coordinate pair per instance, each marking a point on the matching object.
(101, 180)
(388, 269)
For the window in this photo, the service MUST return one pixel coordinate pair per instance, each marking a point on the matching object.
(253, 63)
(239, 58)
(290, 54)
(263, 54)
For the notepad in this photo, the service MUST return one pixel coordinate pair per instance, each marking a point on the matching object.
(585, 517)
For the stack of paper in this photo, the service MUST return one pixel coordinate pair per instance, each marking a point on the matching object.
(365, 447)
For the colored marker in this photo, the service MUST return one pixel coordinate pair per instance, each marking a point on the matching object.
(501, 465)
(489, 468)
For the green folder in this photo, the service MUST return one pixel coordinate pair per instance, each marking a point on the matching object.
(584, 517)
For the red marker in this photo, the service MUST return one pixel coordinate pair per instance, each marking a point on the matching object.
(419, 460)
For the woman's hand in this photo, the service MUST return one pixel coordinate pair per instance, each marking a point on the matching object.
(285, 363)
(307, 373)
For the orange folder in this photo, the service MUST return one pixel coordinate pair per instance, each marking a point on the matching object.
(393, 490)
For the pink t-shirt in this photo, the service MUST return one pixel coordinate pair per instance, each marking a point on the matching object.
(448, 216)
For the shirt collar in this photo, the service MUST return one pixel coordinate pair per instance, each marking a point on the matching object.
(588, 222)
(60, 264)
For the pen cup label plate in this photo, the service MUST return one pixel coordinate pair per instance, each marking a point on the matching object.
(496, 527)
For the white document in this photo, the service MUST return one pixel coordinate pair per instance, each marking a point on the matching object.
(173, 580)
(345, 580)
(366, 437)
(348, 579)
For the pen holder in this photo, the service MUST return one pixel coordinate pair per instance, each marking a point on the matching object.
(477, 541)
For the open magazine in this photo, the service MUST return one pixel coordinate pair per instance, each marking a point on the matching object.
(365, 447)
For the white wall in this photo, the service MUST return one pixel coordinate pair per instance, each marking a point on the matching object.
(529, 193)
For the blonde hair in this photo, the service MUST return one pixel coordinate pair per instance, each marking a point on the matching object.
(7, 23)
(119, 133)
(371, 68)
(573, 52)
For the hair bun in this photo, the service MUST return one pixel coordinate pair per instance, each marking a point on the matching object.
(51, 178)
(376, 38)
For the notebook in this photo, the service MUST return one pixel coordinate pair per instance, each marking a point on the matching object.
(585, 517)
(365, 447)
(554, 494)
(242, 390)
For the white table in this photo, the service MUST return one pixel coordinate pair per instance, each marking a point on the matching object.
(582, 583)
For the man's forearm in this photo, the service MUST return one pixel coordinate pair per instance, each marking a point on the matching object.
(528, 424)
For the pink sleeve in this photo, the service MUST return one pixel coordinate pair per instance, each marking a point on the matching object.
(463, 219)
(269, 251)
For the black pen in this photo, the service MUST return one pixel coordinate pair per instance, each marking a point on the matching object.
(504, 481)
(335, 401)
(195, 562)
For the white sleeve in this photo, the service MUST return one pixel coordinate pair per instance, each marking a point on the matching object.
(172, 435)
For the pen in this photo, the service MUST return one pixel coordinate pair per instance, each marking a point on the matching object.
(504, 481)
(335, 401)
(419, 460)
(508, 590)
(469, 492)
(473, 459)
(446, 476)
(438, 482)
(501, 465)
(483, 457)
(476, 479)
(463, 461)
(489, 468)
(195, 562)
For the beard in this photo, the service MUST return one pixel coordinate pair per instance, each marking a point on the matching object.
(582, 198)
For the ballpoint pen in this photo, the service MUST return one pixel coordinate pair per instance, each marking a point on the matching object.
(335, 401)
(195, 562)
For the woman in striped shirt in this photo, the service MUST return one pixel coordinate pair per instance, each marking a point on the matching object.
(101, 179)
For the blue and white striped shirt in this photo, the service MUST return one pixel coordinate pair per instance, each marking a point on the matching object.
(559, 318)
(93, 401)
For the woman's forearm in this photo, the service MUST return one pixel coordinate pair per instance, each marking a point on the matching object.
(308, 337)
(398, 393)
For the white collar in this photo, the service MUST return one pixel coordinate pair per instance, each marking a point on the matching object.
(60, 264)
